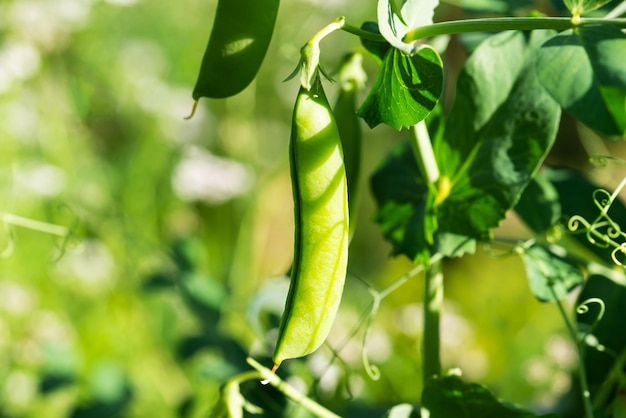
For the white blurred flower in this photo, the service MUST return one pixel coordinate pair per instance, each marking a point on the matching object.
(379, 347)
(202, 176)
(537, 371)
(20, 388)
(48, 23)
(21, 119)
(89, 267)
(562, 351)
(41, 179)
(15, 299)
(122, 2)
(48, 326)
(18, 61)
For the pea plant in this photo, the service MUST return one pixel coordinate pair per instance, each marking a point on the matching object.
(442, 191)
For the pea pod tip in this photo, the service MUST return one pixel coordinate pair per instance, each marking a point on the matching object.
(269, 379)
(193, 110)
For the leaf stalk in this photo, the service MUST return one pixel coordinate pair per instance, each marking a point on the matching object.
(506, 23)
(496, 24)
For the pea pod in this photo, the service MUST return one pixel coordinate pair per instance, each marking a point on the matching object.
(321, 227)
(352, 78)
(241, 34)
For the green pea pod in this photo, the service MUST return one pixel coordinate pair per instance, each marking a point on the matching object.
(241, 34)
(321, 227)
(352, 78)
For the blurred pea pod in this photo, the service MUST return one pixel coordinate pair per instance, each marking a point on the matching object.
(321, 227)
(241, 34)
(352, 78)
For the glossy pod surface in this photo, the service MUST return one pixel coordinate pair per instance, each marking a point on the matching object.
(321, 227)
(352, 77)
(241, 34)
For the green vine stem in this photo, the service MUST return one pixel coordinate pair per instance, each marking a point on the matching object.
(433, 280)
(423, 149)
(290, 392)
(45, 227)
(433, 304)
(490, 25)
(506, 23)
(580, 352)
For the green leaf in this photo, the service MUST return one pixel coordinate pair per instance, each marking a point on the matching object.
(539, 205)
(203, 289)
(483, 85)
(377, 49)
(495, 138)
(579, 7)
(450, 396)
(550, 277)
(406, 210)
(402, 198)
(394, 24)
(584, 72)
(406, 89)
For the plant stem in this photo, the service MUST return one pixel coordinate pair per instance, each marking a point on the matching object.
(584, 387)
(433, 280)
(290, 392)
(34, 225)
(433, 304)
(424, 153)
(365, 34)
(496, 24)
(505, 23)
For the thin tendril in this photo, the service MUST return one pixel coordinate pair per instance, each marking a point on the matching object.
(603, 231)
(367, 317)
(372, 370)
(71, 229)
(583, 308)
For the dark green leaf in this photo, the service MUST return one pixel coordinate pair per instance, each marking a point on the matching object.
(406, 89)
(539, 205)
(402, 199)
(584, 72)
(405, 210)
(495, 138)
(483, 85)
(500, 129)
(550, 277)
(203, 289)
(449, 396)
(377, 49)
(453, 245)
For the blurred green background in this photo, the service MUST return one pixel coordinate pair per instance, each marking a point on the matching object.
(180, 230)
